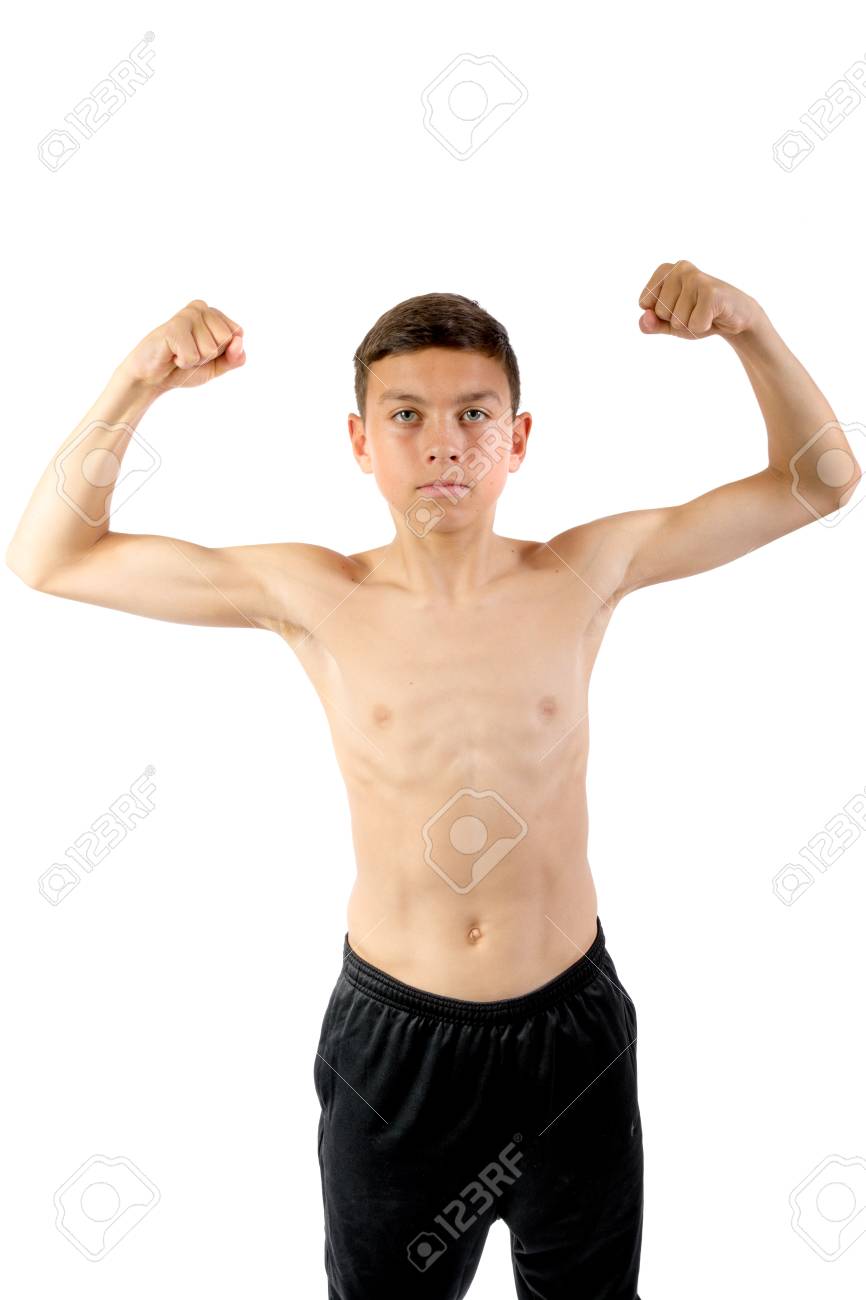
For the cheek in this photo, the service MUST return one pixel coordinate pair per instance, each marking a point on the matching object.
(492, 475)
(387, 456)
(394, 466)
(489, 459)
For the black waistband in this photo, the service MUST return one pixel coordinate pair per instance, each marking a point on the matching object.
(385, 988)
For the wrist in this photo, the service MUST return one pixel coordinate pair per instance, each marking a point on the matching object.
(128, 389)
(759, 336)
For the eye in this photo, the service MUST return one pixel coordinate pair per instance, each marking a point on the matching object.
(472, 410)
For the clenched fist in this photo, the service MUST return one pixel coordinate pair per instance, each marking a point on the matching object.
(196, 345)
(684, 301)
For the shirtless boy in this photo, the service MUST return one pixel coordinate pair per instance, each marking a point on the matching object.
(477, 1057)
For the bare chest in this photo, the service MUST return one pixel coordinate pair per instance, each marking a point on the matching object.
(421, 683)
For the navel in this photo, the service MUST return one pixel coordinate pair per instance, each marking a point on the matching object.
(474, 934)
(547, 706)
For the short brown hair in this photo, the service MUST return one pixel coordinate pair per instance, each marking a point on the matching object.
(435, 320)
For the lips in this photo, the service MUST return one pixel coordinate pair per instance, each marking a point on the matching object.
(443, 484)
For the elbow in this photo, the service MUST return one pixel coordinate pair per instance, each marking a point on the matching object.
(841, 494)
(26, 572)
(821, 497)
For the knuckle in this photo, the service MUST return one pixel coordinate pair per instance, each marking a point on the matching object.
(220, 330)
(193, 310)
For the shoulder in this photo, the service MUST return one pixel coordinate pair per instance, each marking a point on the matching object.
(303, 581)
(597, 551)
(307, 560)
(363, 563)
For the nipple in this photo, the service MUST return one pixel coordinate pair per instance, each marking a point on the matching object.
(474, 934)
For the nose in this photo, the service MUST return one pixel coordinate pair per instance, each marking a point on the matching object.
(443, 452)
(444, 464)
(447, 443)
(445, 448)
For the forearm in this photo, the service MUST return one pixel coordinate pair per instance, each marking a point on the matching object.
(795, 411)
(68, 511)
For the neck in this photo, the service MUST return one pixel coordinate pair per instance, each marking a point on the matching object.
(453, 564)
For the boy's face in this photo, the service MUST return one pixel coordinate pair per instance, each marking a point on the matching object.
(439, 414)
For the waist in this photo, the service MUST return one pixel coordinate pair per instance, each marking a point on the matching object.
(387, 988)
(501, 940)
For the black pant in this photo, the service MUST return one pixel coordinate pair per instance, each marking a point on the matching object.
(440, 1115)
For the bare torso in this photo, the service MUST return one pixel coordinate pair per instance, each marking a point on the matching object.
(462, 734)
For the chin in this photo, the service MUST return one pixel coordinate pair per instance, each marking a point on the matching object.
(423, 515)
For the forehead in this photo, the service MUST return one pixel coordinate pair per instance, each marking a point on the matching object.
(436, 374)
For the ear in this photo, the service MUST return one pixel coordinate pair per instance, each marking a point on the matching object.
(522, 425)
(358, 439)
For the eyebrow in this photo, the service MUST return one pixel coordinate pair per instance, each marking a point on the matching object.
(390, 395)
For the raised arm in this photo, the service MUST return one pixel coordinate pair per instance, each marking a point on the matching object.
(811, 472)
(63, 544)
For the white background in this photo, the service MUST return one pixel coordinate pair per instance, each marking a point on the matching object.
(276, 164)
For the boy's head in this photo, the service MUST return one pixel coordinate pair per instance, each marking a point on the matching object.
(433, 320)
(438, 387)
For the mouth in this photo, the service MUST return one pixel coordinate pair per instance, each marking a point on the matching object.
(442, 487)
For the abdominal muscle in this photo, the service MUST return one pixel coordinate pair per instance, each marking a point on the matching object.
(419, 913)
